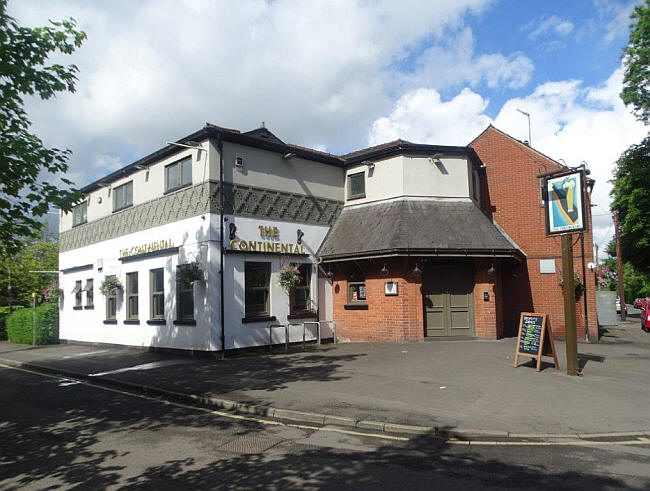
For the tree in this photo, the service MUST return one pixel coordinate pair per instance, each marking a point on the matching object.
(27, 168)
(636, 58)
(631, 199)
(37, 256)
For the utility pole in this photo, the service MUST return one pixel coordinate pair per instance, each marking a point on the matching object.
(569, 290)
(619, 267)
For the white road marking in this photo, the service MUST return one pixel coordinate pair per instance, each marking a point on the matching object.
(145, 366)
(87, 353)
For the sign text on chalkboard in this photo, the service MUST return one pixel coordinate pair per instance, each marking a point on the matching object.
(535, 339)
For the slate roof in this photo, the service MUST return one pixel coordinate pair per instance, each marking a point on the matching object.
(414, 226)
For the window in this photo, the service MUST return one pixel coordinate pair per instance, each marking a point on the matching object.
(357, 293)
(356, 186)
(184, 296)
(257, 277)
(178, 174)
(77, 293)
(132, 296)
(476, 193)
(90, 294)
(156, 278)
(80, 213)
(123, 196)
(299, 297)
(111, 304)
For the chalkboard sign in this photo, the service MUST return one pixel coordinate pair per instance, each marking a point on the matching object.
(535, 339)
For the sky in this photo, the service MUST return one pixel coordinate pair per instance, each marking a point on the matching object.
(342, 75)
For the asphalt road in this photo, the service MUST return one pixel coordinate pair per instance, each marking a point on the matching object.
(61, 434)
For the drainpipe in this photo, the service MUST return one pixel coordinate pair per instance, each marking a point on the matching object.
(221, 248)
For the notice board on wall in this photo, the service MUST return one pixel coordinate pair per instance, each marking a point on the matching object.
(535, 339)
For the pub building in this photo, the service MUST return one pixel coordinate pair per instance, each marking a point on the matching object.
(184, 248)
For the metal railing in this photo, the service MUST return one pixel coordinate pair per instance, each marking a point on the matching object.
(304, 331)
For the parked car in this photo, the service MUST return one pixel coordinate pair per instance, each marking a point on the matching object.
(645, 321)
(640, 303)
(618, 305)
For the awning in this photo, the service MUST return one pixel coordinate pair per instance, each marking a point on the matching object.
(88, 287)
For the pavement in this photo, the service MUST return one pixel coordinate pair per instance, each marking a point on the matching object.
(448, 388)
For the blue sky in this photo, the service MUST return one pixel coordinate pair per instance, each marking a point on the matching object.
(340, 75)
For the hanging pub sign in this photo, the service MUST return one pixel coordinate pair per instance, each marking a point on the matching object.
(565, 203)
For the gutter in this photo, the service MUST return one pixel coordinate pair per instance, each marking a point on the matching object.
(422, 253)
(221, 247)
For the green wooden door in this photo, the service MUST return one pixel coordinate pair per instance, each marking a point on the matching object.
(448, 302)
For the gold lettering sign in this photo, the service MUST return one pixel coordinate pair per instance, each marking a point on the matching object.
(144, 248)
(266, 246)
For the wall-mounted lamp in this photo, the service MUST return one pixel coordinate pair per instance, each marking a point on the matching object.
(140, 166)
(384, 270)
(330, 273)
(369, 164)
(492, 270)
(232, 230)
(239, 162)
(288, 156)
(189, 144)
(300, 234)
(417, 272)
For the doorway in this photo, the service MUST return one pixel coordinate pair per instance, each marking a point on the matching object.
(447, 294)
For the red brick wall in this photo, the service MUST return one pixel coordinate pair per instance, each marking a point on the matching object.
(388, 318)
(511, 195)
(400, 318)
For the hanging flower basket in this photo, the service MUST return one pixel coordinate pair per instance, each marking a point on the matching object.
(52, 290)
(577, 284)
(189, 273)
(290, 277)
(110, 286)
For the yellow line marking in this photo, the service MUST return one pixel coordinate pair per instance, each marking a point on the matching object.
(268, 422)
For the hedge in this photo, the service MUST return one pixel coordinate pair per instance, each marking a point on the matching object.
(19, 325)
(4, 313)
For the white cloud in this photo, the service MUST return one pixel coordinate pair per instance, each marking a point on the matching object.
(453, 62)
(421, 116)
(546, 25)
(569, 122)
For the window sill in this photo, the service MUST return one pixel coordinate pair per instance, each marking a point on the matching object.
(77, 307)
(110, 321)
(132, 321)
(303, 315)
(356, 306)
(156, 322)
(259, 318)
(359, 196)
(123, 208)
(89, 307)
(177, 188)
(185, 323)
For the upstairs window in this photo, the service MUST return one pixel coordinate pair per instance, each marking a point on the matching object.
(123, 196)
(356, 186)
(178, 174)
(80, 213)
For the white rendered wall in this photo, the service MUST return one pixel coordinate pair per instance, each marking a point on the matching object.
(240, 334)
(448, 177)
(195, 241)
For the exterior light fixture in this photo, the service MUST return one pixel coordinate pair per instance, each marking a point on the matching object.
(300, 235)
(189, 144)
(384, 270)
(232, 230)
(492, 270)
(140, 166)
(417, 271)
(369, 164)
(288, 156)
(329, 273)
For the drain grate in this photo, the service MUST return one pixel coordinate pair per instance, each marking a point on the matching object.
(250, 444)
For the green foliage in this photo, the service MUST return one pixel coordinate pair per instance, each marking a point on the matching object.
(4, 313)
(636, 284)
(636, 58)
(38, 256)
(27, 168)
(20, 325)
(610, 248)
(631, 199)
